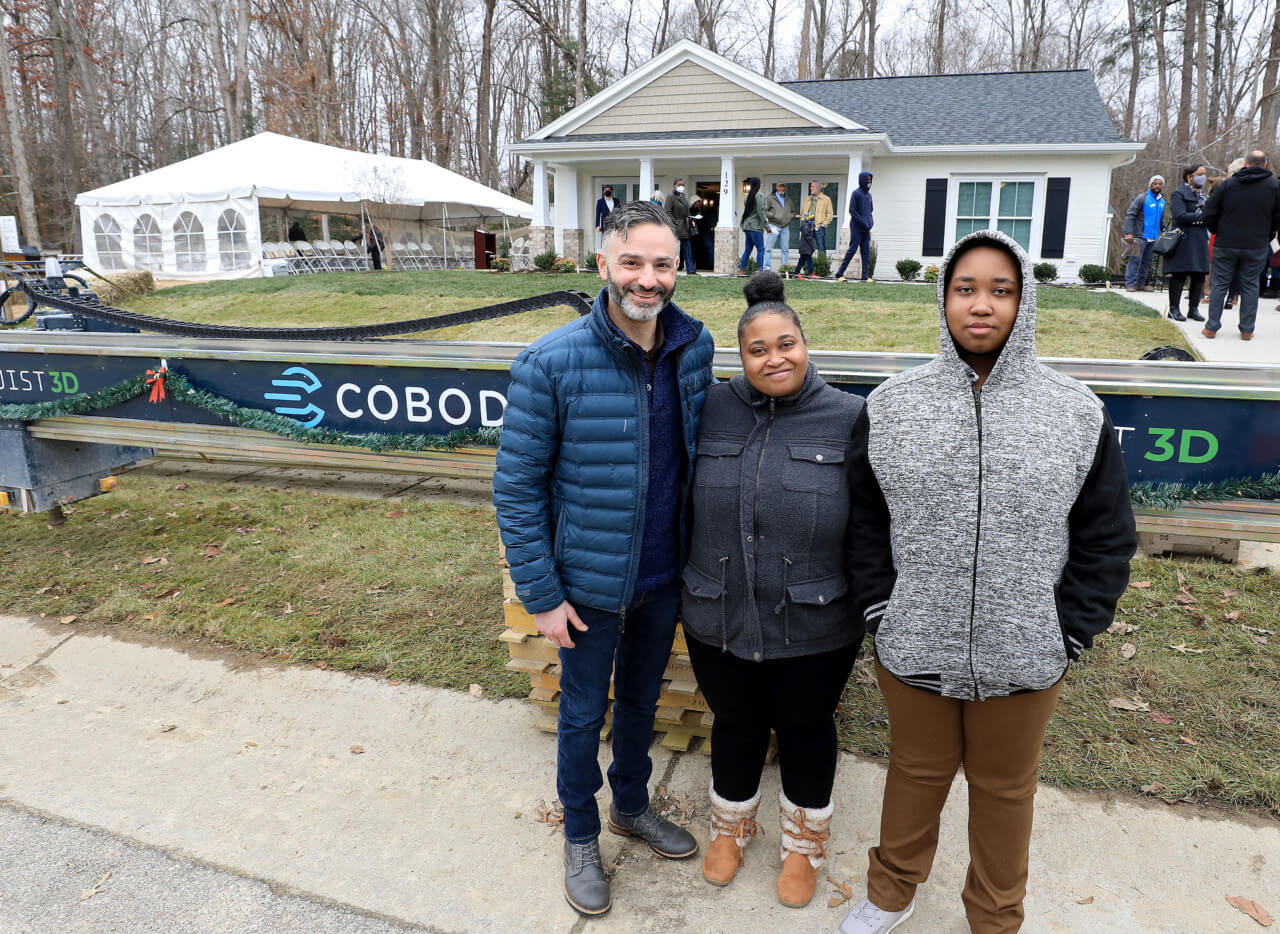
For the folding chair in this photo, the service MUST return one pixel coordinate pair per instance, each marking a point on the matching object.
(359, 259)
(307, 260)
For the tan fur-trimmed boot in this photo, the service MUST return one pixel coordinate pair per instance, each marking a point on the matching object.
(733, 824)
(805, 832)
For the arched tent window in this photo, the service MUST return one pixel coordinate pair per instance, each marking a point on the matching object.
(188, 243)
(106, 238)
(233, 242)
(147, 249)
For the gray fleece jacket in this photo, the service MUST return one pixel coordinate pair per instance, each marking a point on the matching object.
(992, 529)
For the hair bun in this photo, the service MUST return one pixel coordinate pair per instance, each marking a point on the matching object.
(764, 286)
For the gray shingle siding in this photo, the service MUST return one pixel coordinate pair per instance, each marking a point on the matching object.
(956, 110)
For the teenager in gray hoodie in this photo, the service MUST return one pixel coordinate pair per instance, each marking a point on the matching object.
(992, 533)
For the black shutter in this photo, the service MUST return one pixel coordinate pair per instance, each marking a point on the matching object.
(1057, 194)
(935, 216)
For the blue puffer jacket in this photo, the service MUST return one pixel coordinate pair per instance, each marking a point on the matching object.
(571, 479)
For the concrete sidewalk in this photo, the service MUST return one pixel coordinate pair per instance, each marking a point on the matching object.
(419, 807)
(1227, 347)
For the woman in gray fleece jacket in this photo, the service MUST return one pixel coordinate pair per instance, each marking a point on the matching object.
(992, 534)
(767, 606)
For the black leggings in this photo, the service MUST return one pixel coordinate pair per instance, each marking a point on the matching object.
(1193, 294)
(796, 697)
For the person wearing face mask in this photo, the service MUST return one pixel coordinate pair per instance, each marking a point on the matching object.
(1142, 225)
(678, 207)
(605, 206)
(1190, 259)
(767, 599)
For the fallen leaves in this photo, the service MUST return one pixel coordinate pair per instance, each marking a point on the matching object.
(168, 727)
(550, 814)
(1085, 901)
(1140, 585)
(211, 550)
(226, 602)
(357, 750)
(1251, 908)
(331, 639)
(1183, 648)
(476, 690)
(1160, 717)
(68, 620)
(168, 593)
(1122, 629)
(159, 559)
(1128, 650)
(842, 894)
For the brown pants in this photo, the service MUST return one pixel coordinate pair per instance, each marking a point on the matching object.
(999, 742)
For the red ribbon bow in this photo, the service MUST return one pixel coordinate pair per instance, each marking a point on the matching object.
(155, 382)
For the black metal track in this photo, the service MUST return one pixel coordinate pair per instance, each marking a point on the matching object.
(578, 301)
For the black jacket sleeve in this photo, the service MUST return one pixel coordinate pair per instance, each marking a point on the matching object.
(1102, 542)
(1185, 213)
(870, 552)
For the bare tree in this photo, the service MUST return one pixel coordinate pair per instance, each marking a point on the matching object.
(18, 150)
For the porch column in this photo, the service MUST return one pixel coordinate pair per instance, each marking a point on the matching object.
(324, 226)
(541, 234)
(726, 259)
(646, 178)
(567, 218)
(842, 235)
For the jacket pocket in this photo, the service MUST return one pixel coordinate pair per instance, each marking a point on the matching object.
(719, 463)
(813, 468)
(805, 616)
(702, 607)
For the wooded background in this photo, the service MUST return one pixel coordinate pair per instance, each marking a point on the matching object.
(97, 91)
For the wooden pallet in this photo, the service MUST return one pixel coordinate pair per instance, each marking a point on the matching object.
(683, 717)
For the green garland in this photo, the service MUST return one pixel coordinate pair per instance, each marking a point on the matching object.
(256, 419)
(1143, 495)
(1173, 495)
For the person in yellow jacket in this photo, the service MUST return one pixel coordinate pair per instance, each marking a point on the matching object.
(819, 205)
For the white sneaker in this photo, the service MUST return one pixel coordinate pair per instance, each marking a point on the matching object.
(866, 918)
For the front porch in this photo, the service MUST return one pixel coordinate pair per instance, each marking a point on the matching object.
(565, 191)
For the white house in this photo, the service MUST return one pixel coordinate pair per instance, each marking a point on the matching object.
(1030, 153)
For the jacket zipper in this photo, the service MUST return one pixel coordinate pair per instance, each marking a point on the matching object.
(642, 474)
(755, 512)
(977, 537)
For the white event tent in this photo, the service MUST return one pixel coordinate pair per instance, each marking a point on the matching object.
(200, 218)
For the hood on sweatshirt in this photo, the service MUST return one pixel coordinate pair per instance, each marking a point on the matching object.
(1252, 173)
(1019, 351)
(864, 180)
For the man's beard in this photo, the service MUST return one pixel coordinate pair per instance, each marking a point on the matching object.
(630, 309)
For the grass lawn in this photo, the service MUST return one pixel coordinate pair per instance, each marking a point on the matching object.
(411, 591)
(886, 317)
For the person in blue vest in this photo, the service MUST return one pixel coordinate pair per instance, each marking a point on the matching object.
(593, 469)
(860, 224)
(1142, 225)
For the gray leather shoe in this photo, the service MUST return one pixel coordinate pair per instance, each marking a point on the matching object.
(585, 886)
(663, 837)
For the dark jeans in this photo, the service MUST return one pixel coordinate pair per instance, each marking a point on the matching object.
(796, 697)
(1244, 268)
(806, 259)
(635, 655)
(859, 239)
(375, 257)
(821, 235)
(1135, 271)
(686, 251)
(1176, 280)
(755, 241)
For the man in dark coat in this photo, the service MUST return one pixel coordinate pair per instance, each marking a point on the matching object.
(677, 205)
(1244, 212)
(605, 206)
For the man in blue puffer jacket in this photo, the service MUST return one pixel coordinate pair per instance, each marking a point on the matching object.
(593, 468)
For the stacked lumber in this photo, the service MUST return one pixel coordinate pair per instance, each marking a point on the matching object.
(683, 715)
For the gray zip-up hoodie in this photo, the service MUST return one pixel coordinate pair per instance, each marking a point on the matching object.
(992, 528)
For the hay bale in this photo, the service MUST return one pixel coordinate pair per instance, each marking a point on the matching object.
(124, 286)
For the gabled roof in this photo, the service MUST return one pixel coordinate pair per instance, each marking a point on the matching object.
(1009, 108)
(687, 51)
